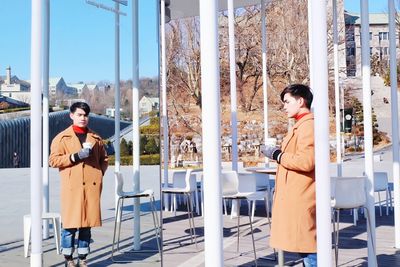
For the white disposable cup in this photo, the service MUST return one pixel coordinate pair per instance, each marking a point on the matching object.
(270, 142)
(87, 145)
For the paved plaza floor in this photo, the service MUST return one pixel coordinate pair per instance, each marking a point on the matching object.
(178, 250)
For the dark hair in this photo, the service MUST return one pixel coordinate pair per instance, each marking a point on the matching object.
(82, 105)
(297, 91)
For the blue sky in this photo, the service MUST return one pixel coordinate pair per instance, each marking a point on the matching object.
(82, 40)
(375, 6)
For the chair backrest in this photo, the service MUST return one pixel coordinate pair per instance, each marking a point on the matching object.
(120, 183)
(247, 182)
(230, 182)
(184, 179)
(178, 178)
(190, 183)
(380, 181)
(348, 192)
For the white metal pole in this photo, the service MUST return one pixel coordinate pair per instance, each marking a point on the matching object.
(36, 138)
(368, 138)
(395, 120)
(264, 72)
(45, 171)
(164, 101)
(135, 121)
(337, 91)
(232, 67)
(319, 74)
(210, 86)
(117, 103)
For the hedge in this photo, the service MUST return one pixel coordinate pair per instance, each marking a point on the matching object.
(150, 129)
(153, 159)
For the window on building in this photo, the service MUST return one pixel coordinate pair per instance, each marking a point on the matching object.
(350, 51)
(383, 36)
(370, 36)
(350, 36)
(384, 51)
(370, 51)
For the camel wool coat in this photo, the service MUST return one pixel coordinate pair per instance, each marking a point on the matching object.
(81, 182)
(293, 216)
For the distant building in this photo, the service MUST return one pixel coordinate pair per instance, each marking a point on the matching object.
(15, 88)
(92, 87)
(378, 40)
(6, 102)
(58, 86)
(68, 102)
(80, 87)
(110, 112)
(148, 104)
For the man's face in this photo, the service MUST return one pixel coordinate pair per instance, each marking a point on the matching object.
(79, 118)
(292, 105)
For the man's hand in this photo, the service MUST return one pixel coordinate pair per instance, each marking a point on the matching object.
(272, 152)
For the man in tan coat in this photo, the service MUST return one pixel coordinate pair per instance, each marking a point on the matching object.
(293, 215)
(80, 156)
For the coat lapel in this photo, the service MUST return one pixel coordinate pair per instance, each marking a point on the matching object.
(75, 144)
(290, 134)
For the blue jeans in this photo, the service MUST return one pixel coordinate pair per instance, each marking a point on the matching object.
(68, 241)
(309, 259)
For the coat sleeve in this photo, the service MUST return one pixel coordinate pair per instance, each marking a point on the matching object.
(103, 158)
(302, 159)
(59, 158)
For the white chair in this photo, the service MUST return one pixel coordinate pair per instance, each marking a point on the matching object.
(56, 221)
(178, 181)
(347, 193)
(188, 190)
(381, 184)
(122, 195)
(251, 183)
(230, 190)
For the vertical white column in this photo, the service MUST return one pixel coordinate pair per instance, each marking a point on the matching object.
(368, 138)
(264, 72)
(210, 86)
(36, 138)
(337, 92)
(135, 122)
(164, 101)
(319, 74)
(117, 103)
(232, 67)
(395, 120)
(45, 159)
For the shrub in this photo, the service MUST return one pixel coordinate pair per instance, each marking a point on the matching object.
(150, 129)
(151, 147)
(153, 159)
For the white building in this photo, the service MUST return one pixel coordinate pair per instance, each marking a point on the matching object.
(148, 104)
(15, 88)
(58, 86)
(80, 87)
(378, 40)
(92, 87)
(110, 112)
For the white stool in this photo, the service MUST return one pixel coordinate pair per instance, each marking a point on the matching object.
(56, 220)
